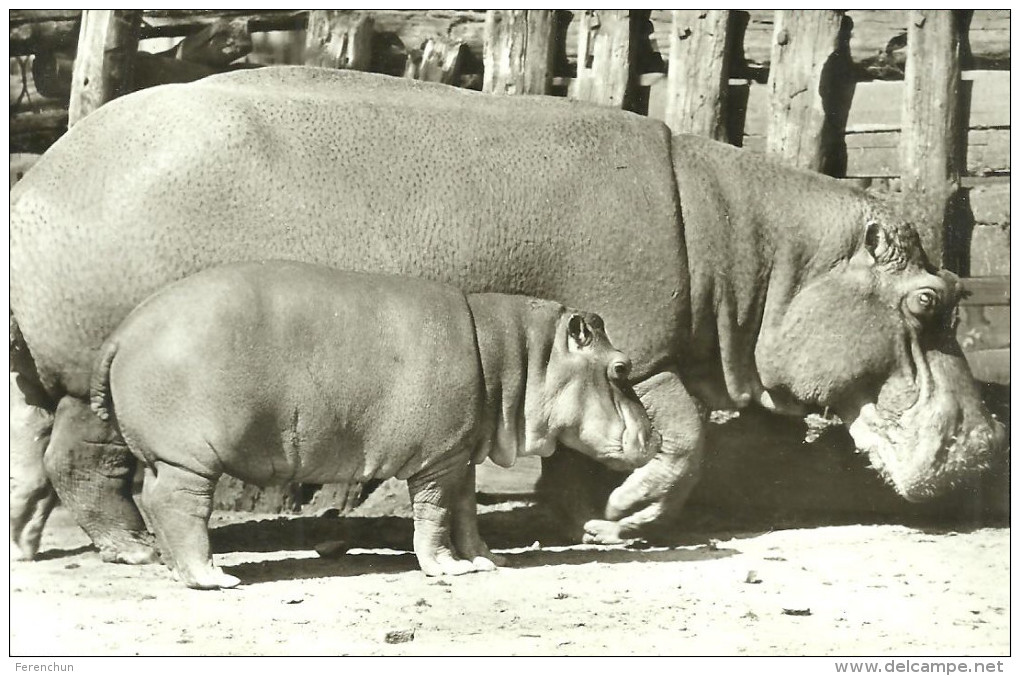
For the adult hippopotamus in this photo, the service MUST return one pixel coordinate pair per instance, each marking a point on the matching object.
(279, 372)
(729, 280)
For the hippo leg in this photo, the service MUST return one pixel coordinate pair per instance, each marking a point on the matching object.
(467, 541)
(654, 494)
(574, 487)
(92, 473)
(32, 495)
(179, 503)
(433, 500)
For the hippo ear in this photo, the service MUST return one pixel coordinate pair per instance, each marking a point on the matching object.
(578, 331)
(876, 241)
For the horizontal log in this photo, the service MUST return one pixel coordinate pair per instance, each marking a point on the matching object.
(877, 153)
(986, 290)
(983, 327)
(990, 179)
(34, 132)
(217, 44)
(31, 35)
(989, 250)
(51, 73)
(990, 365)
(878, 34)
(990, 203)
(877, 106)
(874, 43)
(19, 164)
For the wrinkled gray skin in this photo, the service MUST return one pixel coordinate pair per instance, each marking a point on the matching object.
(278, 372)
(729, 280)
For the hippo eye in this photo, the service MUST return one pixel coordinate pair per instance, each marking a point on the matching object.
(924, 302)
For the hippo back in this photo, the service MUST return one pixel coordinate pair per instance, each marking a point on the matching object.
(519, 194)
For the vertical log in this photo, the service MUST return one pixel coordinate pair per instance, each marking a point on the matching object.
(338, 39)
(810, 89)
(698, 76)
(440, 61)
(518, 51)
(933, 128)
(605, 58)
(107, 45)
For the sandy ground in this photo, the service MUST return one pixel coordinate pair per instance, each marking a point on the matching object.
(836, 590)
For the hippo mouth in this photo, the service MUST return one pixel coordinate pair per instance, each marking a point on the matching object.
(944, 438)
(630, 442)
(925, 452)
(639, 441)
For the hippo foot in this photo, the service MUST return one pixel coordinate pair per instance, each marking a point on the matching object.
(446, 564)
(134, 550)
(601, 532)
(482, 564)
(19, 553)
(212, 577)
(478, 553)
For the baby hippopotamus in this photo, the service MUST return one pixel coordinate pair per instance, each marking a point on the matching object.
(278, 372)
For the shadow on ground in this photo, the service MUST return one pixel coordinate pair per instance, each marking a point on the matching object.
(374, 563)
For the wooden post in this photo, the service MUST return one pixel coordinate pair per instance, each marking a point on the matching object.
(107, 45)
(518, 51)
(440, 61)
(605, 58)
(338, 39)
(698, 76)
(810, 89)
(933, 128)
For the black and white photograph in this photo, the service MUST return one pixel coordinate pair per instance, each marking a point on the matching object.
(492, 333)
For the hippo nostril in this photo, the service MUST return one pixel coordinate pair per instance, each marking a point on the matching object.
(619, 371)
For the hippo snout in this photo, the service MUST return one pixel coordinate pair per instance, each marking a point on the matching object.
(619, 371)
(640, 441)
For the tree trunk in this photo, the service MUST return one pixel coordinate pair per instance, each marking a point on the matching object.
(440, 61)
(107, 46)
(605, 58)
(518, 51)
(932, 145)
(339, 39)
(810, 89)
(699, 58)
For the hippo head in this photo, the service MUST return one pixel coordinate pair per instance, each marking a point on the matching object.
(873, 339)
(585, 400)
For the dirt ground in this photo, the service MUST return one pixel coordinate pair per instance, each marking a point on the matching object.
(835, 590)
